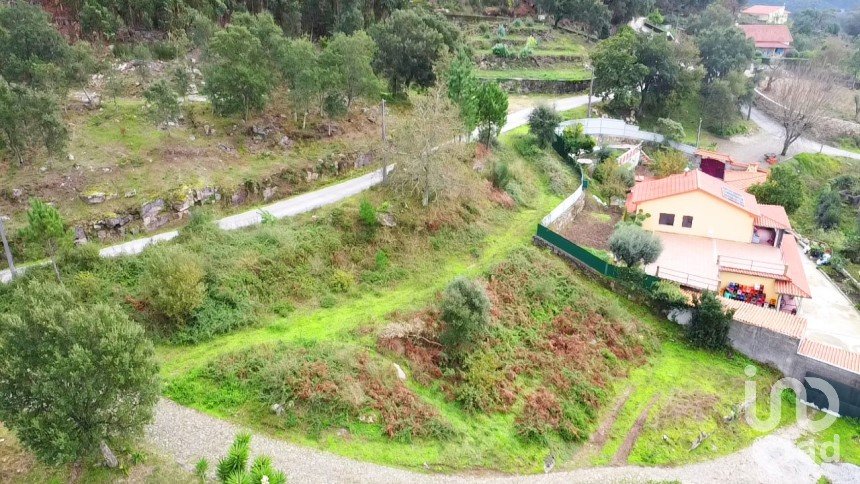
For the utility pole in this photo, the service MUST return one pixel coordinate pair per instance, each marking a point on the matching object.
(384, 147)
(6, 248)
(590, 92)
(699, 134)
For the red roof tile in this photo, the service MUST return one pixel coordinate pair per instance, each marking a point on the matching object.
(777, 321)
(798, 286)
(688, 182)
(742, 180)
(777, 35)
(762, 9)
(833, 355)
(773, 216)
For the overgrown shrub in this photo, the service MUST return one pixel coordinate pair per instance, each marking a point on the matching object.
(576, 141)
(783, 187)
(709, 327)
(501, 175)
(173, 284)
(668, 162)
(633, 245)
(323, 386)
(668, 295)
(367, 213)
(829, 209)
(501, 50)
(465, 310)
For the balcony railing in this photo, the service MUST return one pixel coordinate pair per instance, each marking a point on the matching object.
(728, 262)
(689, 280)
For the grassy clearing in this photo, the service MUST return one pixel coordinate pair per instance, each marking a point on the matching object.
(692, 397)
(844, 434)
(119, 150)
(566, 73)
(20, 467)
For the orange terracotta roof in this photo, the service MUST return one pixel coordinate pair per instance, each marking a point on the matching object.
(762, 9)
(832, 355)
(742, 180)
(773, 216)
(775, 34)
(798, 286)
(777, 321)
(688, 182)
(716, 155)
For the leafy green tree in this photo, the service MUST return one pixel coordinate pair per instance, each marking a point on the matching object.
(624, 10)
(462, 86)
(633, 245)
(97, 21)
(163, 101)
(492, 110)
(719, 106)
(28, 40)
(783, 187)
(672, 73)
(617, 70)
(465, 310)
(295, 57)
(238, 80)
(347, 59)
(233, 468)
(829, 210)
(671, 129)
(29, 119)
(271, 36)
(576, 141)
(45, 227)
(173, 284)
(592, 13)
(709, 327)
(715, 16)
(410, 42)
(333, 107)
(724, 49)
(181, 80)
(73, 377)
(543, 121)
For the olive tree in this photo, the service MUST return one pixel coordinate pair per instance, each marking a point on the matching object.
(466, 313)
(543, 121)
(74, 378)
(632, 244)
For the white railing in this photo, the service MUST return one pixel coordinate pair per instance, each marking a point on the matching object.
(689, 280)
(619, 129)
(728, 262)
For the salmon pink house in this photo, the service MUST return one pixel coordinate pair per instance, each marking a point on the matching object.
(717, 237)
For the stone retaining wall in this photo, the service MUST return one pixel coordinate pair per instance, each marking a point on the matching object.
(527, 86)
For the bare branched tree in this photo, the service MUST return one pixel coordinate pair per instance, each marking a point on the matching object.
(801, 98)
(425, 147)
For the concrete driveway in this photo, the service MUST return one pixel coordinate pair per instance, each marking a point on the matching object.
(768, 139)
(831, 317)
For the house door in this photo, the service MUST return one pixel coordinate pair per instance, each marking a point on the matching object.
(713, 167)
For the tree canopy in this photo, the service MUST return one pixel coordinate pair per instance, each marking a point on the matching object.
(73, 376)
(633, 245)
(410, 42)
(29, 120)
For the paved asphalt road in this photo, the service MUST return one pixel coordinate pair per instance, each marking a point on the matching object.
(304, 202)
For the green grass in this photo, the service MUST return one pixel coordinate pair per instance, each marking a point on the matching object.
(20, 467)
(694, 389)
(843, 435)
(550, 74)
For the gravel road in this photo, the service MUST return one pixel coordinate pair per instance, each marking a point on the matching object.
(188, 435)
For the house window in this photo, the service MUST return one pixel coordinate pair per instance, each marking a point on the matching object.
(687, 222)
(667, 219)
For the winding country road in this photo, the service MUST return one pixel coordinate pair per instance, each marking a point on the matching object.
(187, 435)
(301, 203)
